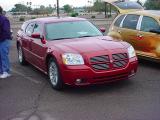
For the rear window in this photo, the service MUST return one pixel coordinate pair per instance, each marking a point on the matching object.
(128, 5)
(119, 20)
(131, 21)
(148, 24)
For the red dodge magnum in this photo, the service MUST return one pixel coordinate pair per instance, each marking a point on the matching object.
(73, 51)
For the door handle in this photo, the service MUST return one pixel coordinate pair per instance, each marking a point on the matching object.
(139, 36)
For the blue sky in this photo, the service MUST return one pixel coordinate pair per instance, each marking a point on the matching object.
(8, 4)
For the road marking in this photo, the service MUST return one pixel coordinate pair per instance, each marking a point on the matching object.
(26, 77)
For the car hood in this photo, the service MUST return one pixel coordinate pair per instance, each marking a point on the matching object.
(87, 44)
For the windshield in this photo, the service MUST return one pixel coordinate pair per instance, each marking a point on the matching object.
(68, 30)
(128, 5)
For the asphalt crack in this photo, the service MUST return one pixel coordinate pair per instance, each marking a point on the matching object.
(30, 114)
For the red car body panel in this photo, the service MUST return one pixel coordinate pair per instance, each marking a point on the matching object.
(37, 53)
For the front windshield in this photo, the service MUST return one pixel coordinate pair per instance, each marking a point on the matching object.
(74, 29)
(128, 5)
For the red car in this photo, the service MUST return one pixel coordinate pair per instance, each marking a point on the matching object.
(73, 51)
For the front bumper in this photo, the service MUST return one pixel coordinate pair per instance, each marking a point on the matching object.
(84, 75)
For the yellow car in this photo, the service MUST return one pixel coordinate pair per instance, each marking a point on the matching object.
(141, 29)
(124, 6)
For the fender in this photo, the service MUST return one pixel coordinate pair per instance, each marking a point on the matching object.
(115, 35)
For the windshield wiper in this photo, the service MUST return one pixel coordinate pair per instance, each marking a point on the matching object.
(61, 38)
(85, 36)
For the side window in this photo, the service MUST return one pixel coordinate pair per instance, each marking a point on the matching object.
(24, 26)
(37, 28)
(131, 21)
(119, 20)
(148, 24)
(29, 29)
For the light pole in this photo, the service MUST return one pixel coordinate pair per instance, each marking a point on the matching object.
(29, 4)
(57, 8)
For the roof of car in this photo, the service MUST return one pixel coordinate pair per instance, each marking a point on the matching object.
(155, 13)
(57, 19)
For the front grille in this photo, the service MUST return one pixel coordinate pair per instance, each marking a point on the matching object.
(101, 66)
(120, 60)
(111, 77)
(101, 63)
(104, 58)
(120, 56)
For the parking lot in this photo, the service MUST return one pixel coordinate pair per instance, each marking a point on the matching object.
(27, 95)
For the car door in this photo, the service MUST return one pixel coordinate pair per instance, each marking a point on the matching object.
(26, 41)
(128, 29)
(149, 41)
(115, 26)
(38, 49)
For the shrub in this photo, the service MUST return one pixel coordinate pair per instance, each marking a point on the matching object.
(93, 16)
(33, 17)
(109, 16)
(74, 14)
(22, 19)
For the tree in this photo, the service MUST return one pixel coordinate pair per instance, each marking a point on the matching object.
(152, 4)
(43, 10)
(67, 8)
(98, 6)
(20, 8)
(49, 9)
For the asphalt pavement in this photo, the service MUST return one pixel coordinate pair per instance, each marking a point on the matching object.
(27, 95)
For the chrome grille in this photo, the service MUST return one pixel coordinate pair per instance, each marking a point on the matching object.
(101, 66)
(96, 59)
(120, 60)
(103, 62)
(120, 56)
(100, 62)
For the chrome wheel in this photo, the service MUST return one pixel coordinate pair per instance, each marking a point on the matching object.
(53, 73)
(20, 55)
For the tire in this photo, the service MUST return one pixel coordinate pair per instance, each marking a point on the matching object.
(54, 75)
(21, 57)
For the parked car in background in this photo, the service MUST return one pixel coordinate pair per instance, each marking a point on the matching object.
(124, 6)
(142, 30)
(73, 51)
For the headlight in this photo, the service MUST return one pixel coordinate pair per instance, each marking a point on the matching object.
(131, 52)
(72, 59)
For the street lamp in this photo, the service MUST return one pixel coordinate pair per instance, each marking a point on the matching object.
(29, 4)
(90, 5)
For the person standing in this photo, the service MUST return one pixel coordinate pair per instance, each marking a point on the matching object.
(5, 38)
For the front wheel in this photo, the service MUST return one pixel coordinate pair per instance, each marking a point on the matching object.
(54, 75)
(21, 57)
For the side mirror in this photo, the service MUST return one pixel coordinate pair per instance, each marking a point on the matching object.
(103, 30)
(155, 31)
(36, 35)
